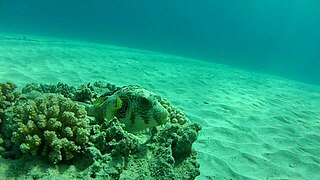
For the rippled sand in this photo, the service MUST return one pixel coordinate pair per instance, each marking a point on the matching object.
(254, 125)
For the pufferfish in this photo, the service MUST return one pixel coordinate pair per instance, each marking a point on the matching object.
(134, 106)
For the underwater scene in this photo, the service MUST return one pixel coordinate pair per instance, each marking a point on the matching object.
(160, 89)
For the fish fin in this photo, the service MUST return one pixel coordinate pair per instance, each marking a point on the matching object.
(118, 103)
(99, 101)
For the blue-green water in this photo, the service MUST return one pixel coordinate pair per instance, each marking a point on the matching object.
(277, 37)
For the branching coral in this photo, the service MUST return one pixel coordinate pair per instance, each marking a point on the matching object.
(83, 93)
(61, 88)
(52, 126)
(8, 97)
(58, 128)
(91, 92)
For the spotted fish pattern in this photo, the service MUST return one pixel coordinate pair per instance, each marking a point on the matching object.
(135, 107)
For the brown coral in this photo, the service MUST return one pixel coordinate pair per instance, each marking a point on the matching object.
(52, 126)
(57, 128)
(8, 97)
(163, 153)
(61, 88)
(175, 115)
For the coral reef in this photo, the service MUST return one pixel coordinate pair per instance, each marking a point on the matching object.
(111, 137)
(8, 98)
(83, 93)
(61, 88)
(91, 92)
(175, 115)
(52, 126)
(59, 128)
(162, 153)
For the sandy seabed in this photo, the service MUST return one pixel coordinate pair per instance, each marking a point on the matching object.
(254, 125)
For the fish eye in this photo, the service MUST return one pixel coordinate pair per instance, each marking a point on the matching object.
(145, 103)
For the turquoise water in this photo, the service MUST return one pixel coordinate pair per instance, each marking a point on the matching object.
(278, 37)
(255, 123)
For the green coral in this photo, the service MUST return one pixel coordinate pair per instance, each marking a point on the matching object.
(115, 140)
(8, 97)
(58, 128)
(83, 93)
(163, 153)
(175, 115)
(91, 92)
(51, 125)
(61, 88)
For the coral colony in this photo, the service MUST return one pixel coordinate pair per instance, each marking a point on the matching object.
(123, 132)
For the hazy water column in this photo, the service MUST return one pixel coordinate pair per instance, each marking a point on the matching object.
(280, 37)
